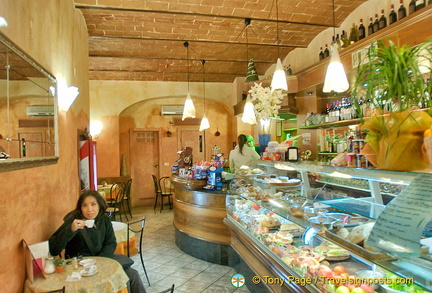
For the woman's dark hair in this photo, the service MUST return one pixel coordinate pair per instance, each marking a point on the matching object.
(99, 199)
(242, 140)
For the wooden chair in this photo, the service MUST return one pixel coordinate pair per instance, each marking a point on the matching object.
(127, 197)
(115, 202)
(157, 191)
(166, 189)
(137, 227)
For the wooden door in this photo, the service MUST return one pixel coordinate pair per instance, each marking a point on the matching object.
(144, 162)
(34, 145)
(194, 139)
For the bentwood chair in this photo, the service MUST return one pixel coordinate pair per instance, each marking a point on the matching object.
(166, 189)
(115, 201)
(127, 197)
(137, 227)
(157, 191)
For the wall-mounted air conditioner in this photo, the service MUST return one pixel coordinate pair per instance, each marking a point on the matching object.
(172, 110)
(43, 110)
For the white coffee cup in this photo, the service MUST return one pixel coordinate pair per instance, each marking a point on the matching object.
(90, 269)
(89, 223)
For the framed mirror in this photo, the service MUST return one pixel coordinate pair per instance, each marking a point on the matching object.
(28, 111)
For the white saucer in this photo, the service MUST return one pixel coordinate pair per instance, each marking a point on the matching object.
(84, 274)
(87, 261)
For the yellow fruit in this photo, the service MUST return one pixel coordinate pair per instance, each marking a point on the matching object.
(428, 133)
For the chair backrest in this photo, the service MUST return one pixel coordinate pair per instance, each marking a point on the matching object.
(118, 189)
(128, 188)
(165, 185)
(62, 290)
(156, 184)
(136, 227)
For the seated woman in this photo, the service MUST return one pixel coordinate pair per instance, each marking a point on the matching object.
(76, 239)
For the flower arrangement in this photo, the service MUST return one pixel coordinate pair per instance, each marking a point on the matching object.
(266, 103)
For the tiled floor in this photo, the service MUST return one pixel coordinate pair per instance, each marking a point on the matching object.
(166, 264)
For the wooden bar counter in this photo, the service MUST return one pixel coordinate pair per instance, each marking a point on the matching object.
(198, 220)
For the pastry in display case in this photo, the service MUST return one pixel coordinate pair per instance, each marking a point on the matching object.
(320, 242)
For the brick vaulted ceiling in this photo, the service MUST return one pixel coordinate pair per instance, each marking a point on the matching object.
(143, 39)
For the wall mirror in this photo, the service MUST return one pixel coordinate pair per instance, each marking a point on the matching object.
(28, 110)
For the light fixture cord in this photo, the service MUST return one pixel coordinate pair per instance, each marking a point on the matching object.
(186, 44)
(277, 28)
(334, 20)
(203, 62)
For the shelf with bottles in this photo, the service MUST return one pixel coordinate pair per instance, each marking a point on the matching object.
(379, 21)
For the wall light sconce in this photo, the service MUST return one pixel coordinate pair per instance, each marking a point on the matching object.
(249, 112)
(95, 128)
(3, 22)
(66, 95)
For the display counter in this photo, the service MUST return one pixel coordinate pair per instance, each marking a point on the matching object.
(316, 238)
(198, 220)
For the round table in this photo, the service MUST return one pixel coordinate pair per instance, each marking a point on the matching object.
(109, 278)
(120, 231)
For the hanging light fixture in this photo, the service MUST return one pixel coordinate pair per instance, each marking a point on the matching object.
(335, 79)
(189, 108)
(279, 78)
(249, 110)
(205, 124)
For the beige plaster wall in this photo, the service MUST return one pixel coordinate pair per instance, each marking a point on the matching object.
(34, 201)
(108, 99)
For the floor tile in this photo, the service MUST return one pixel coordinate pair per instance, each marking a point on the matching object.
(166, 264)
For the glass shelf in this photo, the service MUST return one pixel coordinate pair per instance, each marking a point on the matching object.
(356, 206)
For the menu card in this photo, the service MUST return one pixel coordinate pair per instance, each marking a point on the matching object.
(399, 227)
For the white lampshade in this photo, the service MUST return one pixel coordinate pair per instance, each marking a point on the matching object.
(189, 108)
(335, 79)
(249, 112)
(205, 124)
(279, 81)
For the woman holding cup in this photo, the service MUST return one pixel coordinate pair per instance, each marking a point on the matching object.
(88, 231)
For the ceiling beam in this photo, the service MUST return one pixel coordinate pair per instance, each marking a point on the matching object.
(194, 41)
(177, 59)
(90, 7)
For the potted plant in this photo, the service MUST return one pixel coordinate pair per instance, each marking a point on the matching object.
(390, 89)
(59, 264)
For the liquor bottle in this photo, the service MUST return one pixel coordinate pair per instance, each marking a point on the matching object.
(354, 34)
(338, 42)
(326, 51)
(370, 27)
(412, 7)
(392, 15)
(321, 54)
(376, 24)
(420, 4)
(289, 70)
(344, 39)
(382, 21)
(361, 30)
(401, 11)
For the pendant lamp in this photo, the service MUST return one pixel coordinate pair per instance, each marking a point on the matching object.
(279, 81)
(249, 109)
(249, 112)
(205, 124)
(335, 78)
(189, 108)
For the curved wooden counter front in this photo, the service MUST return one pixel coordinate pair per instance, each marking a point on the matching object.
(198, 220)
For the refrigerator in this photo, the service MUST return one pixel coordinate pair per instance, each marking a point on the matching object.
(87, 164)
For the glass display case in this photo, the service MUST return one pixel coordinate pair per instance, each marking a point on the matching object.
(310, 224)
